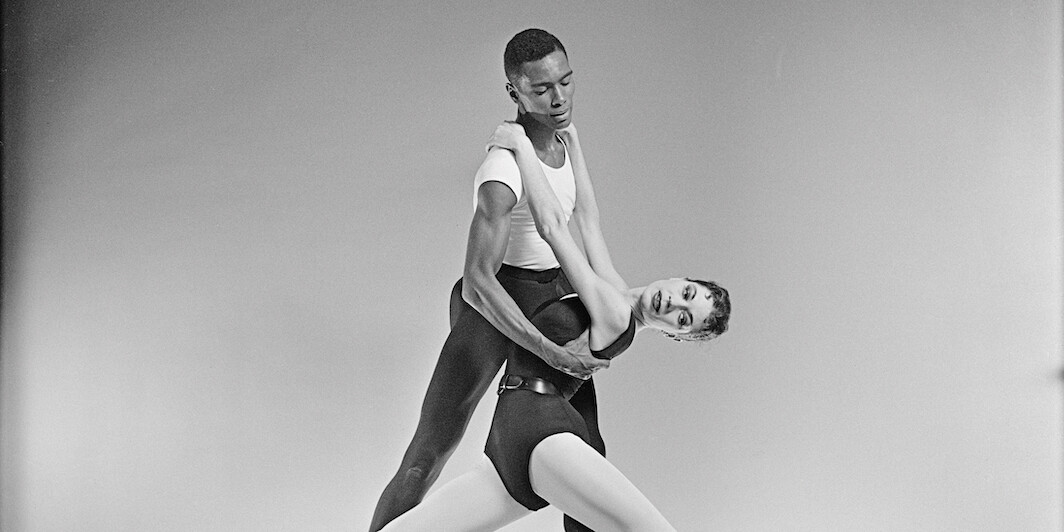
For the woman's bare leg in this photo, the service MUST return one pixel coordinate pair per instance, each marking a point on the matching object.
(576, 479)
(474, 502)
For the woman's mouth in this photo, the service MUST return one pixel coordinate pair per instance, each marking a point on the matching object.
(656, 301)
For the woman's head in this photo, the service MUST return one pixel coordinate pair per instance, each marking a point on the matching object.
(686, 309)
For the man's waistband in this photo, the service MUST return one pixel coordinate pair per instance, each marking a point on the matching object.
(532, 384)
(529, 275)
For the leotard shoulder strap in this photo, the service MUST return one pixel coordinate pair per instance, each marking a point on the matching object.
(619, 345)
(609, 352)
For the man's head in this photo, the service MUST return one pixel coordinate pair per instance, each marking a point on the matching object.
(529, 45)
(540, 80)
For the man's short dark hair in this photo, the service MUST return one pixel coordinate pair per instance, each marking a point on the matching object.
(530, 45)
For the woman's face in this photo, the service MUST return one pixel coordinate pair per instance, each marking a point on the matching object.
(676, 306)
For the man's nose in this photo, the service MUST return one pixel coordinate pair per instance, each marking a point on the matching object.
(559, 98)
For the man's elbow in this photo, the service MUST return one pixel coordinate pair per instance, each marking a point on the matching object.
(473, 281)
(469, 293)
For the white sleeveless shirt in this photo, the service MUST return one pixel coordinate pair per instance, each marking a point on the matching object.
(526, 249)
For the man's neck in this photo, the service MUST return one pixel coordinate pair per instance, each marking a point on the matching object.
(543, 137)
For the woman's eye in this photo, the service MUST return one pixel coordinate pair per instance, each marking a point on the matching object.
(687, 293)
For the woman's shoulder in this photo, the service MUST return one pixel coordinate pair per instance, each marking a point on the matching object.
(561, 319)
(565, 318)
(617, 339)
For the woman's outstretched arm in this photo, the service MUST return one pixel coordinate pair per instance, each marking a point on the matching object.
(609, 311)
(587, 213)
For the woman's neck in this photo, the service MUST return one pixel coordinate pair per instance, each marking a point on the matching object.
(632, 296)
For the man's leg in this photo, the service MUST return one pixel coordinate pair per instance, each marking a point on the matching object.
(471, 356)
(586, 403)
(475, 501)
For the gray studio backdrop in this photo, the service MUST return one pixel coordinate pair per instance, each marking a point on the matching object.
(231, 228)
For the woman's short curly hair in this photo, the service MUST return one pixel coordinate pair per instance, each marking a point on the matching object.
(719, 322)
(529, 45)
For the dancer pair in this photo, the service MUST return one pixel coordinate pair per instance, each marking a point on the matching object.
(544, 445)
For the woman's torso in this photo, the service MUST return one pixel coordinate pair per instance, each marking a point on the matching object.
(561, 321)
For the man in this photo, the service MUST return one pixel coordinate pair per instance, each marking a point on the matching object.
(509, 272)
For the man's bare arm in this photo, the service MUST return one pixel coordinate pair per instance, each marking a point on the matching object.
(489, 234)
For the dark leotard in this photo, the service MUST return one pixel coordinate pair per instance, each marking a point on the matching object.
(523, 418)
(467, 364)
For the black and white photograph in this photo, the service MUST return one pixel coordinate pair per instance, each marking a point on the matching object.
(532, 266)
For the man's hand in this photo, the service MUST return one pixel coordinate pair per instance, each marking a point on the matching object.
(575, 358)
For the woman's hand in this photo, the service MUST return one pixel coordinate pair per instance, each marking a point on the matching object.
(568, 134)
(511, 136)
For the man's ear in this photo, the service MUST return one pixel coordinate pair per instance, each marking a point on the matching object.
(512, 92)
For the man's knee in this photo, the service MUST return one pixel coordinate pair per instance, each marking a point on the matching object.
(430, 450)
(420, 472)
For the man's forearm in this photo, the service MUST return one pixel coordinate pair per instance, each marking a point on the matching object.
(490, 299)
(488, 237)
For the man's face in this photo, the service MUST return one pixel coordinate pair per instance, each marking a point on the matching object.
(545, 89)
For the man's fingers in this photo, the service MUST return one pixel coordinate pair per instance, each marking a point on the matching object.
(590, 366)
(579, 343)
(580, 373)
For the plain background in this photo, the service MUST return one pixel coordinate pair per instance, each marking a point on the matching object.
(231, 228)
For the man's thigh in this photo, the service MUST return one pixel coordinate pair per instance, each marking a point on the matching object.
(473, 353)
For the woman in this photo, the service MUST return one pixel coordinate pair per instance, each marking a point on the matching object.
(537, 451)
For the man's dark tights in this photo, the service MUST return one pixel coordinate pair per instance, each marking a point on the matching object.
(470, 359)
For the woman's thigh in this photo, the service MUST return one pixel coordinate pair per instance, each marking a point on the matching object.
(477, 501)
(577, 480)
